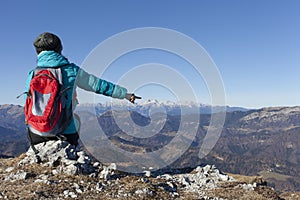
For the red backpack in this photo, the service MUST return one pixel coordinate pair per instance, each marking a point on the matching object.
(46, 113)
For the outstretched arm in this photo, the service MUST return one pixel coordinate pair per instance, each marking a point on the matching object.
(90, 82)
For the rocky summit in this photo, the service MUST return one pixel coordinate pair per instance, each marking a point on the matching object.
(61, 171)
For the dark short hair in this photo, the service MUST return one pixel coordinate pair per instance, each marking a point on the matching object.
(47, 42)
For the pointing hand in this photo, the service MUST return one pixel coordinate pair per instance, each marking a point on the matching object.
(131, 97)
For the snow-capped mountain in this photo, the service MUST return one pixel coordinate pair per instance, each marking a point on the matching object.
(154, 106)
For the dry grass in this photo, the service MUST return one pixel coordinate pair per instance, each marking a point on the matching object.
(248, 179)
(240, 194)
(274, 175)
(290, 195)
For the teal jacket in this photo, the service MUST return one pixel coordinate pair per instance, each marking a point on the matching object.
(75, 76)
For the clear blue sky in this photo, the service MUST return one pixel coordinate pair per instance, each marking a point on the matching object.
(254, 43)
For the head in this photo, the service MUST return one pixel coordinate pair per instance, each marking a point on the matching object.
(47, 42)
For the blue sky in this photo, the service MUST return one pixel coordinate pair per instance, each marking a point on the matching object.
(255, 44)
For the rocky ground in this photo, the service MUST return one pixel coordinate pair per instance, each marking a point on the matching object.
(62, 172)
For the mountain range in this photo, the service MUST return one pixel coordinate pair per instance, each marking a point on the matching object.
(261, 142)
(153, 106)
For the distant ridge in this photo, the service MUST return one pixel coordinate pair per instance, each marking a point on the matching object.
(171, 108)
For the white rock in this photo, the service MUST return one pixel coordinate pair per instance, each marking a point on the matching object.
(69, 162)
(198, 169)
(81, 159)
(147, 173)
(247, 187)
(9, 169)
(96, 164)
(79, 191)
(66, 192)
(76, 185)
(112, 166)
(72, 195)
(166, 176)
(223, 177)
(20, 175)
(63, 156)
(108, 171)
(43, 177)
(139, 192)
(206, 169)
(71, 170)
(55, 172)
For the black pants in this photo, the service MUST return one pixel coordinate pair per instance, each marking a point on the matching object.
(71, 138)
(36, 139)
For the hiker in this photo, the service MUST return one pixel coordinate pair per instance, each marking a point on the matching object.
(49, 48)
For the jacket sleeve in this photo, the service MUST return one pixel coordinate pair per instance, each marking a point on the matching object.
(90, 82)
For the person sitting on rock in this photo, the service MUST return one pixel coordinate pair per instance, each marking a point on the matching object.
(49, 48)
